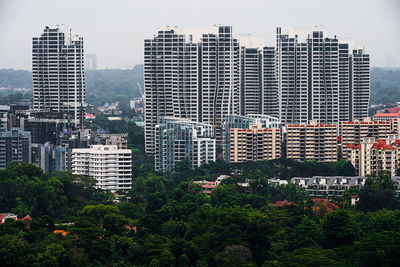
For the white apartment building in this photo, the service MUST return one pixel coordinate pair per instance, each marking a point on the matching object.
(180, 139)
(372, 155)
(58, 71)
(110, 166)
(190, 74)
(318, 78)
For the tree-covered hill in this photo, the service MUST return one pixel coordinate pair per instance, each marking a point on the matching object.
(121, 85)
(167, 220)
(385, 86)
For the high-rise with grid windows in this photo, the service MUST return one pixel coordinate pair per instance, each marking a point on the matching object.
(58, 72)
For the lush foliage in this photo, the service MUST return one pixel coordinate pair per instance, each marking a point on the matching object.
(178, 225)
(25, 189)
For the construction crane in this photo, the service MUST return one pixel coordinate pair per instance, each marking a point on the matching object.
(140, 90)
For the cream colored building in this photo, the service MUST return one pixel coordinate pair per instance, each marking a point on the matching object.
(254, 144)
(313, 141)
(372, 155)
(109, 166)
(352, 132)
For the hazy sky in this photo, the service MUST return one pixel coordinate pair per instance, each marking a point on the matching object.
(115, 29)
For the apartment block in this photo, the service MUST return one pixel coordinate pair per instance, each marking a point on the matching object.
(319, 78)
(313, 141)
(178, 139)
(109, 166)
(250, 81)
(254, 144)
(15, 146)
(352, 132)
(49, 158)
(244, 123)
(58, 72)
(373, 155)
(191, 74)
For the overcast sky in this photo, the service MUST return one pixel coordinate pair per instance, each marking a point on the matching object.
(114, 30)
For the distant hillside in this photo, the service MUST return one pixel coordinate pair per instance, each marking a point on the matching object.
(113, 84)
(12, 79)
(121, 85)
(385, 86)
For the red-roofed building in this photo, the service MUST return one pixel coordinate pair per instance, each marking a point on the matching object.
(323, 201)
(353, 131)
(282, 203)
(372, 156)
(5, 216)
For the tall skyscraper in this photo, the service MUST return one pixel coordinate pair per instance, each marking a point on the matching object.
(207, 75)
(91, 62)
(193, 75)
(251, 81)
(317, 78)
(58, 72)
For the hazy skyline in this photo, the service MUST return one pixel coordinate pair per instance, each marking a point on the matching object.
(115, 30)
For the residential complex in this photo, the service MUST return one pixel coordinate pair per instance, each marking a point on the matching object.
(193, 75)
(15, 146)
(313, 141)
(58, 72)
(334, 186)
(110, 166)
(178, 139)
(373, 155)
(235, 124)
(319, 78)
(352, 132)
(207, 75)
(49, 158)
(254, 144)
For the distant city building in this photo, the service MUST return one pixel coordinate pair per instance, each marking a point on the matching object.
(15, 146)
(244, 123)
(317, 78)
(352, 132)
(178, 139)
(110, 166)
(191, 75)
(313, 141)
(334, 186)
(386, 116)
(49, 158)
(91, 62)
(254, 144)
(251, 80)
(373, 155)
(58, 72)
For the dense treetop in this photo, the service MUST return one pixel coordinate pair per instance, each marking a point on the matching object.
(166, 220)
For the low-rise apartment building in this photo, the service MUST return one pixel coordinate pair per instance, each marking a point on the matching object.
(313, 141)
(251, 137)
(179, 139)
(254, 144)
(373, 155)
(352, 132)
(334, 186)
(110, 166)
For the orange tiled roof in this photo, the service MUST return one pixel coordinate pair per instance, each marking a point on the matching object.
(63, 232)
(387, 114)
(283, 203)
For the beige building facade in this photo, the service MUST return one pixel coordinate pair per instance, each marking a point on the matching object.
(313, 141)
(254, 144)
